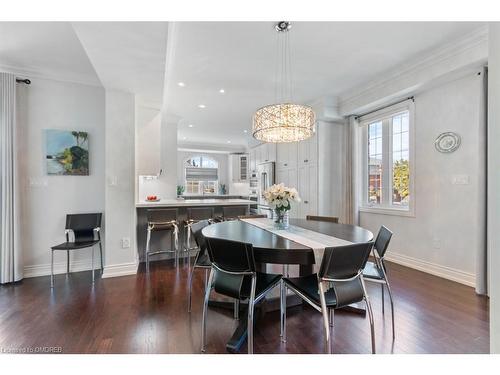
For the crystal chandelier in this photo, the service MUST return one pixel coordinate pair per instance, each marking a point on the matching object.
(284, 121)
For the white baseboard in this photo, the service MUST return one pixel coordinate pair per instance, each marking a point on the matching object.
(123, 269)
(60, 267)
(78, 266)
(434, 269)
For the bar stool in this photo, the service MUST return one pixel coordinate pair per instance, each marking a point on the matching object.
(195, 215)
(161, 220)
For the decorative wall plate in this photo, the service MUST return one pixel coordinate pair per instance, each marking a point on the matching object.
(447, 142)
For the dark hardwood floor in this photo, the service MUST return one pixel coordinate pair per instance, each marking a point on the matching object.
(148, 314)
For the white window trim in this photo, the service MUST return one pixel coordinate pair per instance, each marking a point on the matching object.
(387, 209)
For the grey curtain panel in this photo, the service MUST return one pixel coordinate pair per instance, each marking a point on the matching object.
(10, 249)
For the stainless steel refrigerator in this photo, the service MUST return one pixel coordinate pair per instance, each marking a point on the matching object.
(265, 175)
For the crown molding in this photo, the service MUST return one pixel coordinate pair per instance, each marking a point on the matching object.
(34, 73)
(474, 43)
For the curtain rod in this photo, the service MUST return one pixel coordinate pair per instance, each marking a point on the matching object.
(23, 80)
(412, 98)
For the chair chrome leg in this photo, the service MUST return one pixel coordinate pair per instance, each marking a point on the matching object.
(67, 262)
(172, 247)
(250, 315)
(102, 263)
(190, 287)
(283, 311)
(324, 311)
(370, 314)
(206, 278)
(146, 251)
(93, 273)
(332, 316)
(383, 302)
(390, 298)
(205, 308)
(52, 269)
(236, 309)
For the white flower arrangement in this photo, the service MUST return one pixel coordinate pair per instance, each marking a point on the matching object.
(279, 197)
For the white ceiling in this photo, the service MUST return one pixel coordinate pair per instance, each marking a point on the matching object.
(328, 58)
(128, 56)
(48, 49)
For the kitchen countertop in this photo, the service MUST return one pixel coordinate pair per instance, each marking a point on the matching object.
(195, 203)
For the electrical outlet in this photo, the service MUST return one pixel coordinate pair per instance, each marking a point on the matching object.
(460, 179)
(125, 243)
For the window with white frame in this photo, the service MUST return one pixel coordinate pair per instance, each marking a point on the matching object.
(387, 159)
(201, 174)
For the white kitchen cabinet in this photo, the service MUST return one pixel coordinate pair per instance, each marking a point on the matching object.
(286, 155)
(239, 167)
(308, 190)
(308, 151)
(253, 163)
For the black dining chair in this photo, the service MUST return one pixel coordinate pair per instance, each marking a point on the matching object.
(86, 234)
(328, 219)
(234, 275)
(377, 272)
(201, 261)
(232, 212)
(338, 284)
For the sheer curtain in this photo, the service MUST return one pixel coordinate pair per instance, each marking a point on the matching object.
(10, 249)
(352, 185)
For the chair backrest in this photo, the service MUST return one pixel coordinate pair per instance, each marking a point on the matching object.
(231, 256)
(344, 262)
(252, 217)
(196, 229)
(232, 212)
(382, 241)
(83, 225)
(200, 213)
(329, 219)
(162, 215)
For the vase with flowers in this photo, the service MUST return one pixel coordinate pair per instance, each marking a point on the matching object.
(280, 199)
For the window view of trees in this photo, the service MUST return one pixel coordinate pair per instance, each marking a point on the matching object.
(388, 161)
(201, 175)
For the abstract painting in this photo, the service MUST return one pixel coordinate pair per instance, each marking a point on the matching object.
(67, 152)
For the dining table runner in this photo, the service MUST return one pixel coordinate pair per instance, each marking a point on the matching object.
(316, 241)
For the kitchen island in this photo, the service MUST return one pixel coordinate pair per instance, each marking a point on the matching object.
(161, 240)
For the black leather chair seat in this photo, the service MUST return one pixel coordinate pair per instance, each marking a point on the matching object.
(349, 291)
(371, 271)
(203, 261)
(237, 286)
(74, 245)
(162, 226)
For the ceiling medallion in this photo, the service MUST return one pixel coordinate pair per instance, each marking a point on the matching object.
(283, 121)
(447, 142)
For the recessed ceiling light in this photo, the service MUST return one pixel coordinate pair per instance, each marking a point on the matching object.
(245, 131)
(228, 141)
(184, 138)
(190, 125)
(181, 84)
(202, 106)
(222, 91)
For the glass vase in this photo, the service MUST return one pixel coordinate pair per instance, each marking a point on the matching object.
(281, 219)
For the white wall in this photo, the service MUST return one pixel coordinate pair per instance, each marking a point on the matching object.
(48, 104)
(148, 141)
(494, 183)
(448, 226)
(120, 216)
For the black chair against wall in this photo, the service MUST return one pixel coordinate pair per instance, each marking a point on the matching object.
(232, 212)
(162, 220)
(234, 275)
(86, 231)
(338, 283)
(377, 272)
(201, 260)
(194, 215)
